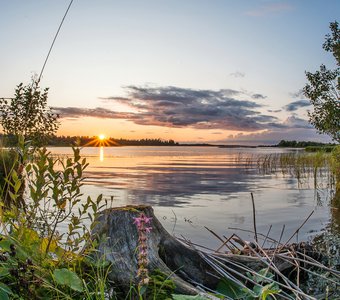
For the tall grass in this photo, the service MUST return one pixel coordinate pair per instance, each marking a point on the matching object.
(321, 167)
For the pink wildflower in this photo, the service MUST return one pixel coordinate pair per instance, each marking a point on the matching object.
(137, 221)
(146, 219)
(147, 229)
(141, 223)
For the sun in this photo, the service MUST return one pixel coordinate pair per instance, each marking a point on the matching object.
(101, 140)
(101, 137)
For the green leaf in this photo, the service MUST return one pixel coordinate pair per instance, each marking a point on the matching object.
(187, 297)
(3, 295)
(4, 272)
(4, 291)
(68, 278)
(13, 196)
(231, 289)
(17, 186)
(142, 290)
(270, 289)
(264, 273)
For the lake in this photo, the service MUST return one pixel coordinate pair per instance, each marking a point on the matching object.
(193, 187)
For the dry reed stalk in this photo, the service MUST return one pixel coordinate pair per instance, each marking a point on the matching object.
(297, 230)
(254, 217)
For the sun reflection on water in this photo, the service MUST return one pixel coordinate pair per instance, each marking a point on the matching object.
(101, 153)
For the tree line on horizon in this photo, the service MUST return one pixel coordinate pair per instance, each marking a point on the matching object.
(302, 144)
(68, 141)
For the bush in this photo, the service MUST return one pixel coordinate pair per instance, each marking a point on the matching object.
(39, 259)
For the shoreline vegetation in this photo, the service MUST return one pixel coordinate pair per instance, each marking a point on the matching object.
(88, 141)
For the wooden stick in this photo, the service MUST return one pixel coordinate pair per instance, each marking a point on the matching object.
(225, 243)
(265, 239)
(215, 234)
(250, 231)
(297, 230)
(254, 217)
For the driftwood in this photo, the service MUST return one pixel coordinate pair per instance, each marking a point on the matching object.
(117, 238)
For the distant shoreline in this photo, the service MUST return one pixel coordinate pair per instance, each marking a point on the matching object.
(178, 145)
(94, 141)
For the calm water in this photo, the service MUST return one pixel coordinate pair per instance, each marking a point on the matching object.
(193, 187)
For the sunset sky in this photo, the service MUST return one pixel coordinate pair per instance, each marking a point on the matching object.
(190, 70)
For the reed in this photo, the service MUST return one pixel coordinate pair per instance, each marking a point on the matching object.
(320, 167)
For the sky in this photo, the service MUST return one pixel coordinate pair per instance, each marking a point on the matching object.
(216, 71)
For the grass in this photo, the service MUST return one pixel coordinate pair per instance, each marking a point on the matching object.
(321, 167)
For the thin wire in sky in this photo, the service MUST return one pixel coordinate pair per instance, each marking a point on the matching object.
(55, 37)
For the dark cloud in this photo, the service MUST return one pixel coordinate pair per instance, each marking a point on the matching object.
(201, 109)
(169, 106)
(293, 106)
(258, 96)
(274, 111)
(77, 112)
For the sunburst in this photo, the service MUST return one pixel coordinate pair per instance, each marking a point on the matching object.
(101, 141)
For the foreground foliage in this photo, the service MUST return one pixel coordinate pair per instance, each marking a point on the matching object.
(41, 238)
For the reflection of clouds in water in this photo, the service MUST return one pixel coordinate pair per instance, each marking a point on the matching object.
(212, 184)
(173, 186)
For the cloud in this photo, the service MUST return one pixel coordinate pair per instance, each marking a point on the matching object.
(274, 110)
(258, 96)
(269, 9)
(174, 107)
(295, 122)
(201, 109)
(238, 74)
(293, 128)
(77, 112)
(271, 137)
(293, 106)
